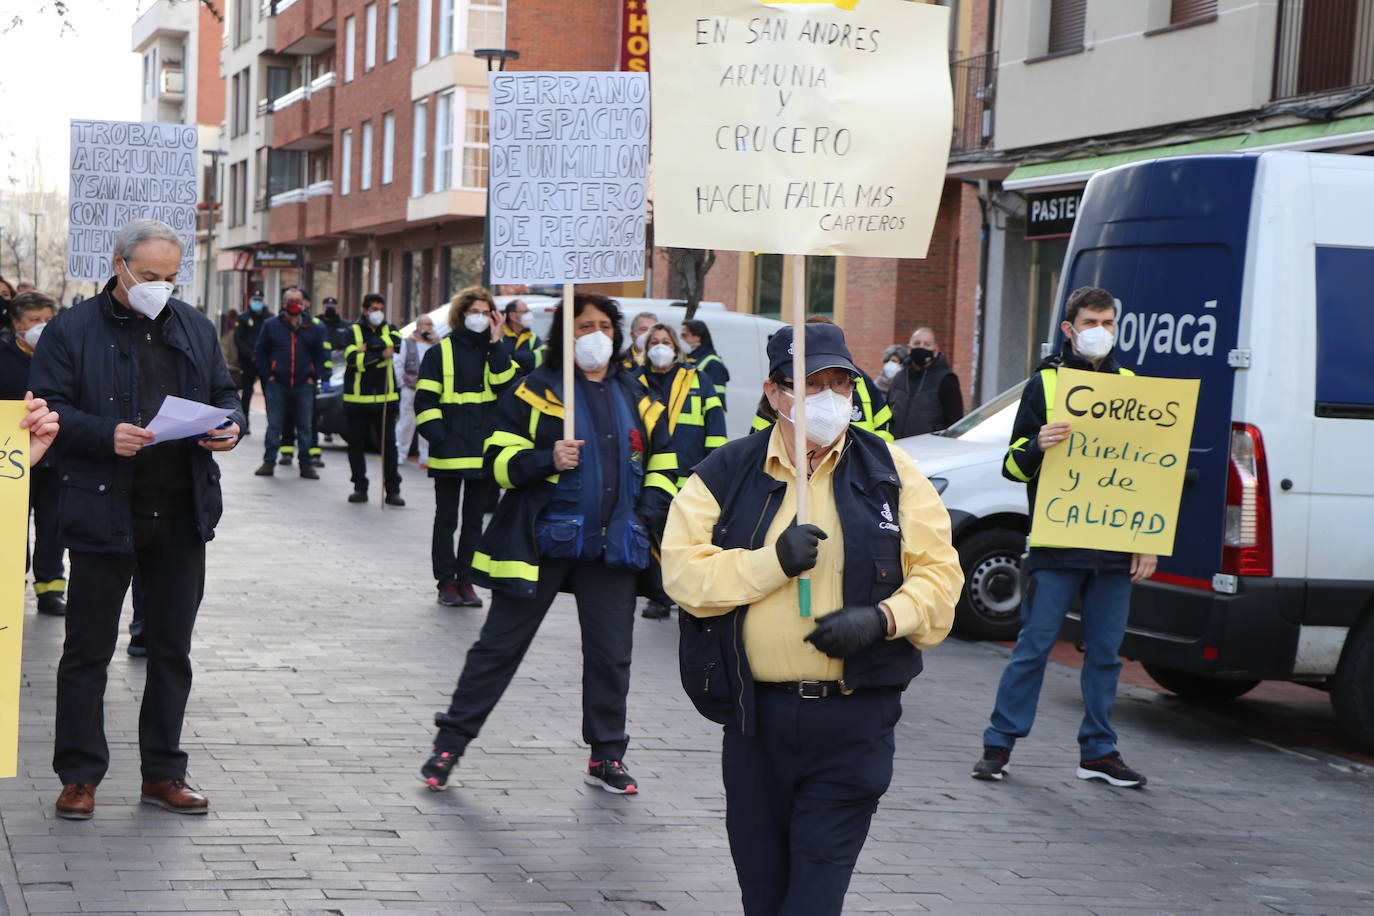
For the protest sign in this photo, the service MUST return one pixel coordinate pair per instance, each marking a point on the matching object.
(14, 535)
(1115, 483)
(799, 128)
(127, 170)
(569, 168)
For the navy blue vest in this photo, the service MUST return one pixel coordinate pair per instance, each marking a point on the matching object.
(714, 665)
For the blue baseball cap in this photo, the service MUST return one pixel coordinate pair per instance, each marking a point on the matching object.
(825, 349)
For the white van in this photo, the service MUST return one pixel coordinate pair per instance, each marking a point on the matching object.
(740, 340)
(1253, 273)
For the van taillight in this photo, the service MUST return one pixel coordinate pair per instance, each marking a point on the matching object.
(1248, 541)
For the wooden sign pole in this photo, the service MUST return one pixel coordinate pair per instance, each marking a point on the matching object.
(801, 461)
(569, 383)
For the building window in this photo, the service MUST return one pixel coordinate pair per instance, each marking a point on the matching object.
(346, 166)
(365, 184)
(243, 102)
(350, 47)
(443, 143)
(462, 266)
(234, 90)
(280, 81)
(370, 36)
(424, 19)
(393, 26)
(484, 24)
(149, 74)
(243, 21)
(388, 147)
(1181, 11)
(767, 285)
(475, 144)
(238, 193)
(417, 149)
(820, 285)
(285, 171)
(447, 23)
(1066, 26)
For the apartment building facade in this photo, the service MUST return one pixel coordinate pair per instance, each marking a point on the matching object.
(179, 45)
(1083, 85)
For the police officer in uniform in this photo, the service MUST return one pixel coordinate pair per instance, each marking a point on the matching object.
(371, 398)
(810, 703)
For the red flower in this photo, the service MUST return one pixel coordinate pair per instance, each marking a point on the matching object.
(636, 442)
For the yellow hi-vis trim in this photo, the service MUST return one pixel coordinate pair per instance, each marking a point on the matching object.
(498, 378)
(715, 441)
(1013, 468)
(682, 388)
(454, 464)
(662, 481)
(760, 423)
(664, 461)
(1049, 380)
(510, 445)
(56, 585)
(431, 385)
(356, 396)
(505, 569)
(424, 416)
(547, 404)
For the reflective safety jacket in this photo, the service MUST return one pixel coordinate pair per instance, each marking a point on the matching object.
(370, 377)
(519, 457)
(455, 400)
(695, 418)
(524, 349)
(705, 359)
(1024, 458)
(870, 413)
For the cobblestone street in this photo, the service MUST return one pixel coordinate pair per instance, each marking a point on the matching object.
(321, 657)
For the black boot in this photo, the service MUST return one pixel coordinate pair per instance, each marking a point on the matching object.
(53, 604)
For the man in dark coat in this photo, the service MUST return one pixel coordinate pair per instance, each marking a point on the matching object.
(129, 500)
(925, 395)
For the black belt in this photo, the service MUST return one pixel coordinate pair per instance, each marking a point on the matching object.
(819, 690)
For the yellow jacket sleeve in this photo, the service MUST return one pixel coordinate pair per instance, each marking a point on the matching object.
(923, 608)
(706, 580)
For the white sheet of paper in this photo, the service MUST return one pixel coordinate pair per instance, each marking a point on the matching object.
(179, 418)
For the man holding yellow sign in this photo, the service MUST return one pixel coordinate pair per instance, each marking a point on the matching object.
(1093, 533)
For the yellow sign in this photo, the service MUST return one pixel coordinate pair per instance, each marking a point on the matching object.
(14, 535)
(1115, 483)
(799, 128)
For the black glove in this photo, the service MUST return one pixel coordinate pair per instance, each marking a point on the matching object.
(849, 630)
(798, 547)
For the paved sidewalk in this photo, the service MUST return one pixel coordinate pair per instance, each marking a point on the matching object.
(320, 660)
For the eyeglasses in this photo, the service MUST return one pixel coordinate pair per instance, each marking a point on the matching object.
(844, 386)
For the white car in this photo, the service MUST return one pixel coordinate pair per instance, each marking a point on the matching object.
(987, 513)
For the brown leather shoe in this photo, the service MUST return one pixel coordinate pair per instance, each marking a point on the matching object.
(77, 801)
(174, 795)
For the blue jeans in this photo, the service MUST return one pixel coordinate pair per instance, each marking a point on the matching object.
(1106, 601)
(294, 405)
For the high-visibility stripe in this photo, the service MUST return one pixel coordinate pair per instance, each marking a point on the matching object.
(712, 402)
(287, 450)
(316, 451)
(689, 419)
(429, 384)
(424, 416)
(356, 396)
(760, 423)
(548, 404)
(467, 397)
(500, 437)
(500, 468)
(454, 464)
(1013, 468)
(883, 434)
(371, 398)
(505, 569)
(663, 461)
(499, 378)
(715, 441)
(882, 417)
(56, 585)
(662, 481)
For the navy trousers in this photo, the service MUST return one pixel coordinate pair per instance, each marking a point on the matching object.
(799, 796)
(606, 613)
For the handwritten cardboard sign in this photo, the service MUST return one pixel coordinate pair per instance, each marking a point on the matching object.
(799, 128)
(14, 534)
(569, 174)
(1116, 482)
(123, 171)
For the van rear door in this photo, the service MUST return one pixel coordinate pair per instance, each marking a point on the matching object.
(1168, 239)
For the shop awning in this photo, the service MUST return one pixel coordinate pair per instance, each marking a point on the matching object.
(1325, 135)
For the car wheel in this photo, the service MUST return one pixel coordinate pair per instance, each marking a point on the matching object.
(990, 605)
(1352, 689)
(1198, 688)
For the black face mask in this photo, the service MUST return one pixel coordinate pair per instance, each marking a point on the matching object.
(921, 357)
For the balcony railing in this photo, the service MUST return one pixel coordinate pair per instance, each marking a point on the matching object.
(320, 188)
(974, 81)
(286, 198)
(322, 82)
(299, 94)
(1323, 45)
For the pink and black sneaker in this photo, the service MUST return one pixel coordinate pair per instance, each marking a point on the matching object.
(434, 773)
(612, 776)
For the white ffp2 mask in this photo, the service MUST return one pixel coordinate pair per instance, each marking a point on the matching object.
(827, 416)
(150, 297)
(1095, 342)
(593, 351)
(661, 356)
(477, 322)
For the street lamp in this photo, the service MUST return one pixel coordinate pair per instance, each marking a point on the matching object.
(497, 56)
